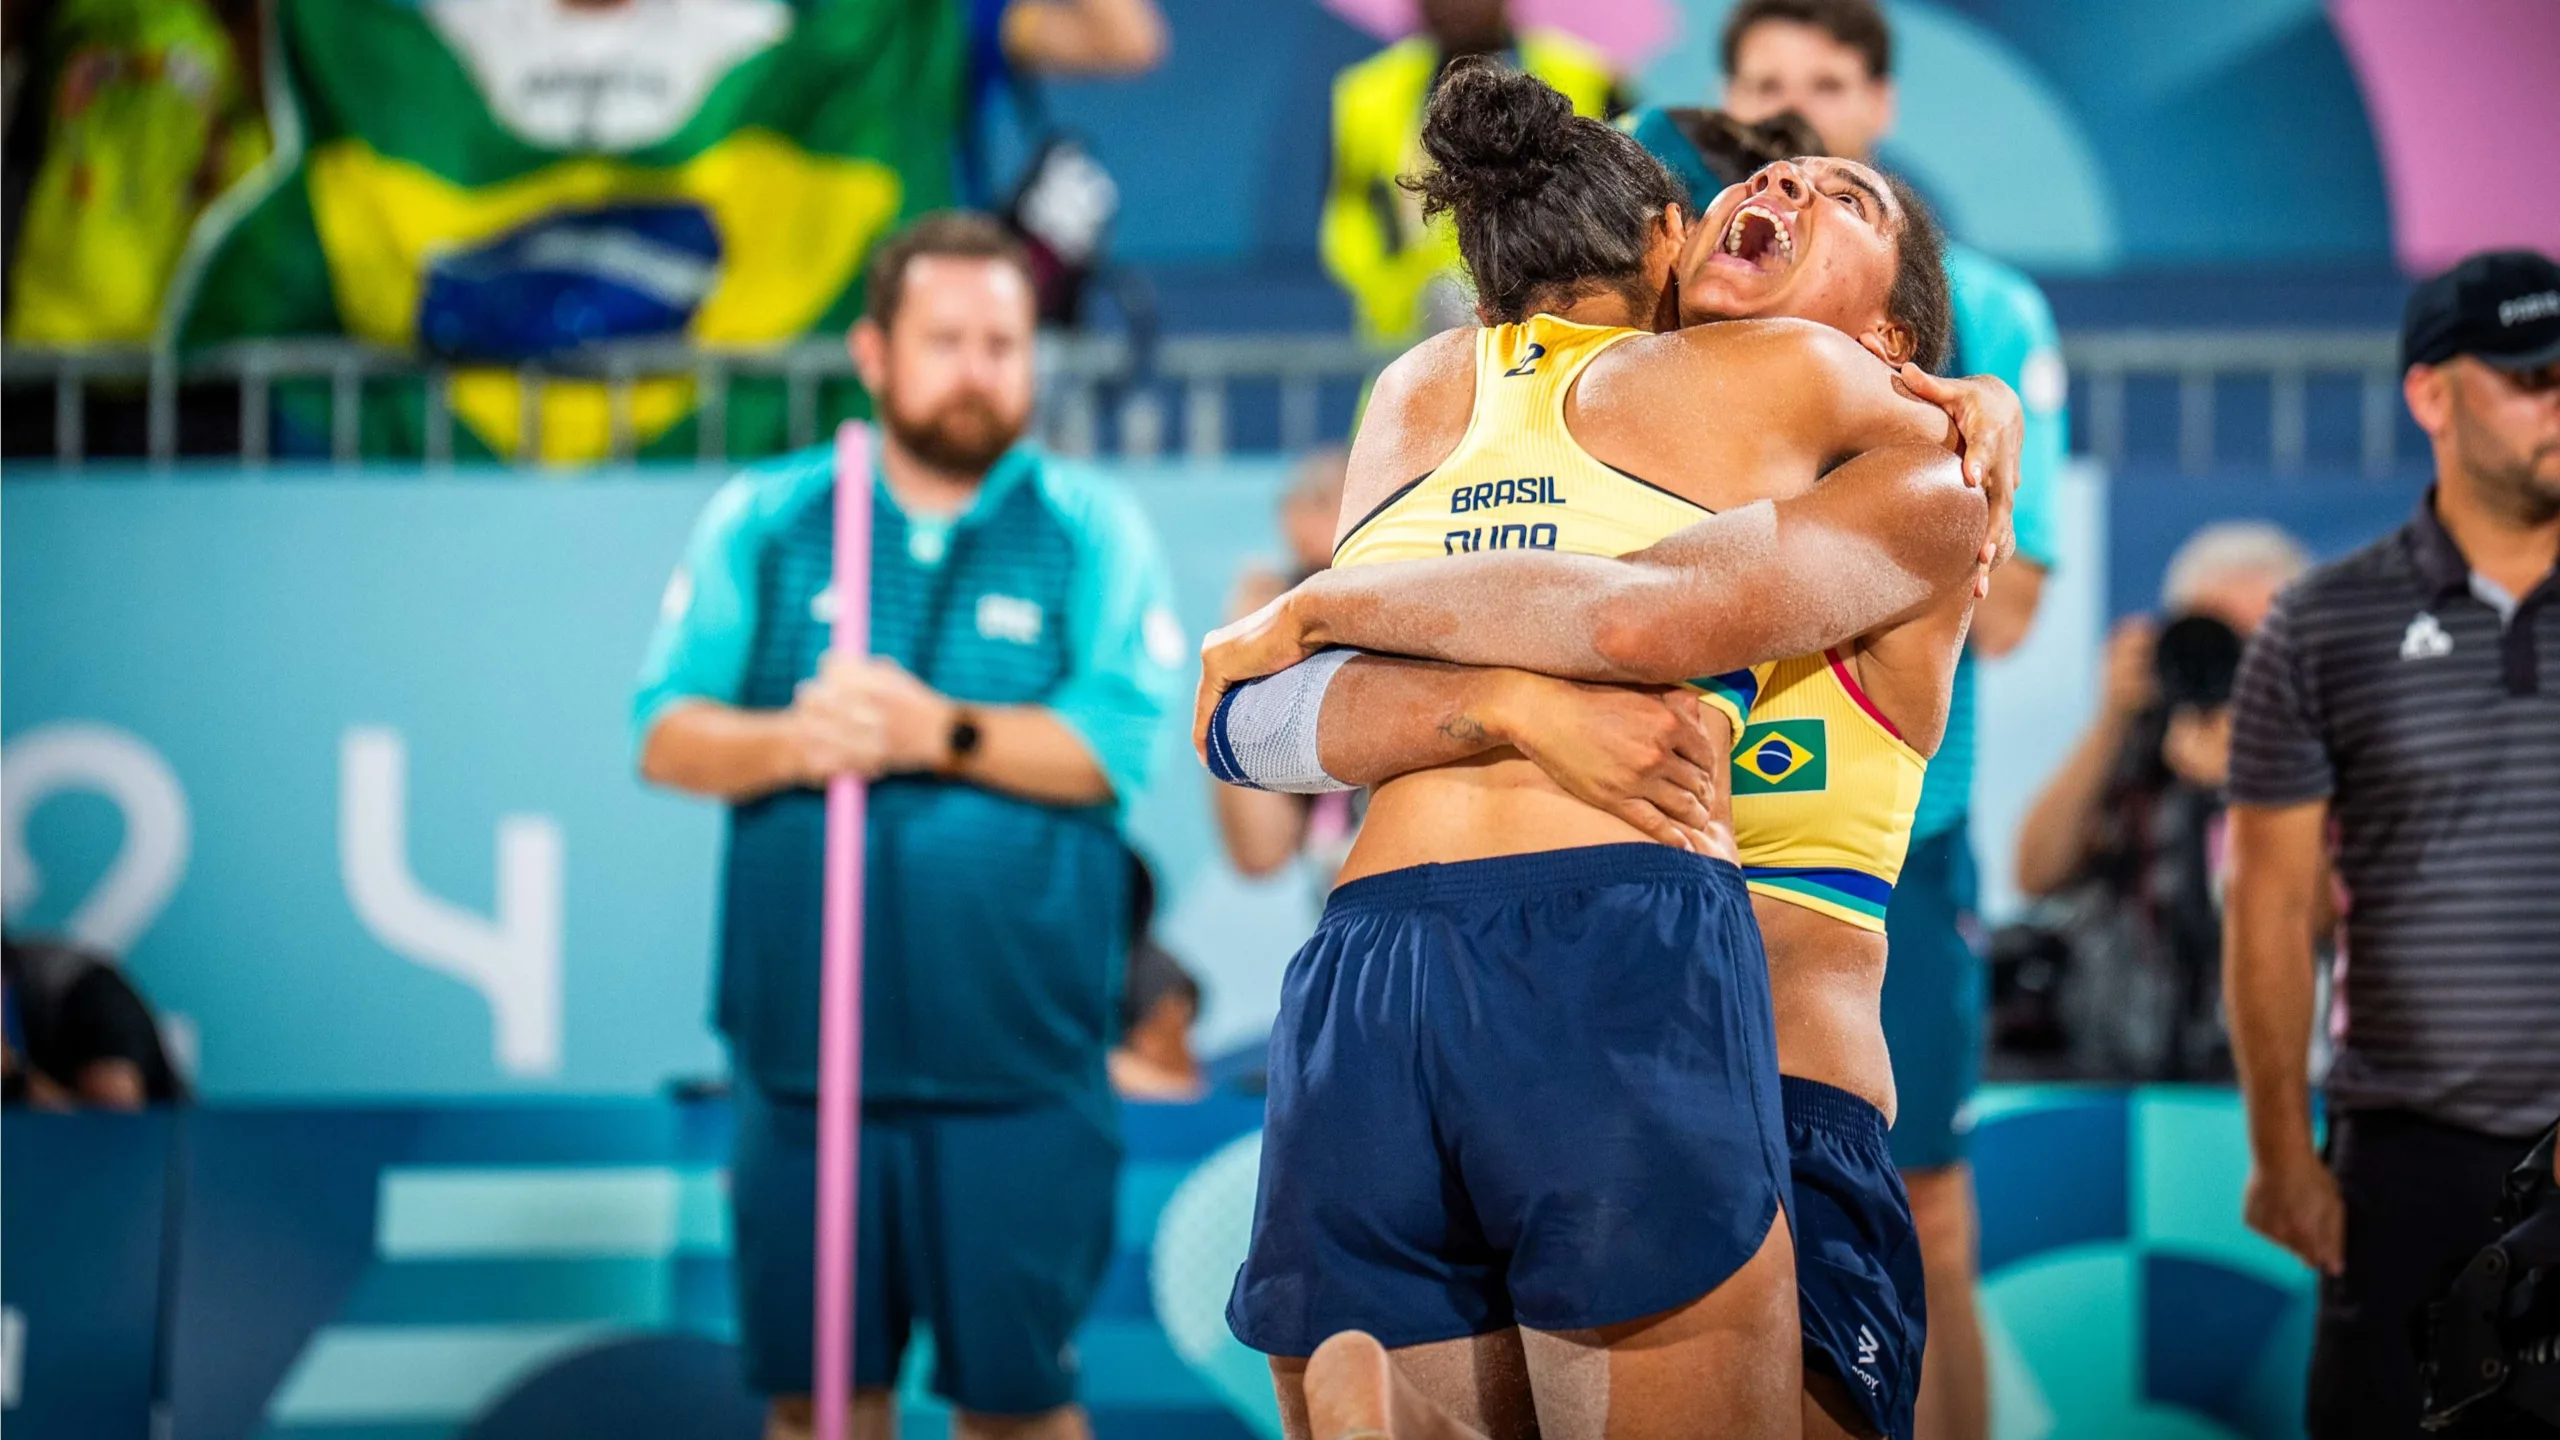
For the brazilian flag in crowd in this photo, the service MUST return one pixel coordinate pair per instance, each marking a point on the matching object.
(503, 183)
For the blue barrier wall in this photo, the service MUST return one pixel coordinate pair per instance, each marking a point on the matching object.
(343, 763)
(80, 1321)
(2152, 509)
(560, 1272)
(344, 766)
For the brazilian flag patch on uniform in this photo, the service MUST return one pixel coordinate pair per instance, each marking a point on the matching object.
(1780, 757)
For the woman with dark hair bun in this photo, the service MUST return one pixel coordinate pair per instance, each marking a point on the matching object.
(1528, 1140)
(1542, 203)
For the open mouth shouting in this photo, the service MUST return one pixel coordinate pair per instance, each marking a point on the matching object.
(1758, 237)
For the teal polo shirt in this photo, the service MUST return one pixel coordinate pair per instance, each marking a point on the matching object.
(2004, 328)
(994, 927)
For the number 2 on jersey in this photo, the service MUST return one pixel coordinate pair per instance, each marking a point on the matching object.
(1528, 363)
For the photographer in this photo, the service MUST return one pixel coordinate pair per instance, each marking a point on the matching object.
(2124, 838)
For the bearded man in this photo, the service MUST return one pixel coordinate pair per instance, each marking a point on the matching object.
(1023, 658)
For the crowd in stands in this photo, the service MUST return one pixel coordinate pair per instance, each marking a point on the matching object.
(147, 197)
(525, 192)
(505, 185)
(141, 147)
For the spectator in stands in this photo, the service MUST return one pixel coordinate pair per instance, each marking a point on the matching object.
(1158, 1006)
(1831, 62)
(21, 121)
(79, 1033)
(1025, 661)
(1309, 508)
(1063, 201)
(518, 153)
(1064, 37)
(1153, 1060)
(1401, 273)
(143, 112)
(2127, 834)
(2400, 711)
(1264, 830)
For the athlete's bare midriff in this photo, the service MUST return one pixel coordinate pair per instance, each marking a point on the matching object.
(1826, 978)
(1499, 804)
(1826, 983)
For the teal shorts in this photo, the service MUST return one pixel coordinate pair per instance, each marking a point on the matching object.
(991, 1227)
(1933, 1000)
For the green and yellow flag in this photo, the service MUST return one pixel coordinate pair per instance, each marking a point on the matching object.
(505, 181)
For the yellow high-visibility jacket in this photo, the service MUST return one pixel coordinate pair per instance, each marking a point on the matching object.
(1374, 240)
(152, 118)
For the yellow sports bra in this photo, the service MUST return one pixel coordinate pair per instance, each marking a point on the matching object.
(1824, 790)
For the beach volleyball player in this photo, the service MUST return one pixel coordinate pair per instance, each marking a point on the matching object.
(1524, 1114)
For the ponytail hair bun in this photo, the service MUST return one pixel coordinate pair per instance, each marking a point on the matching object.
(1493, 134)
(1548, 205)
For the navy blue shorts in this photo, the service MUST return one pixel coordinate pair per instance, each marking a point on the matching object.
(1933, 1001)
(1858, 1281)
(991, 1226)
(1537, 1090)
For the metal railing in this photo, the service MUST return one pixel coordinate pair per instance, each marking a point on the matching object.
(1087, 380)
(2104, 364)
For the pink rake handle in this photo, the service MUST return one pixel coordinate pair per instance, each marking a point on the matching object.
(840, 968)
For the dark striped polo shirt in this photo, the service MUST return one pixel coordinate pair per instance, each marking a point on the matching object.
(2425, 708)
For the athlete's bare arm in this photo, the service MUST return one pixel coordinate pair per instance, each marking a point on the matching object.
(1880, 542)
(1888, 536)
(1648, 754)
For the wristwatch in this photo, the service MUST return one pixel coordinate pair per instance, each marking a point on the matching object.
(962, 742)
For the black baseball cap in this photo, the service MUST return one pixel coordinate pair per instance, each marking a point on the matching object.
(2500, 307)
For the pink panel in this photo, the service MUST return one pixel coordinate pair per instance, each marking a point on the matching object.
(1386, 19)
(1629, 31)
(2465, 110)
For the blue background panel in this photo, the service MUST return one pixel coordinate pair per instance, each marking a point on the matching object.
(504, 1270)
(2052, 1178)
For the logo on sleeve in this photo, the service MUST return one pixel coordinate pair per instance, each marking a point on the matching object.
(1008, 617)
(1781, 757)
(2425, 640)
(2043, 383)
(1166, 644)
